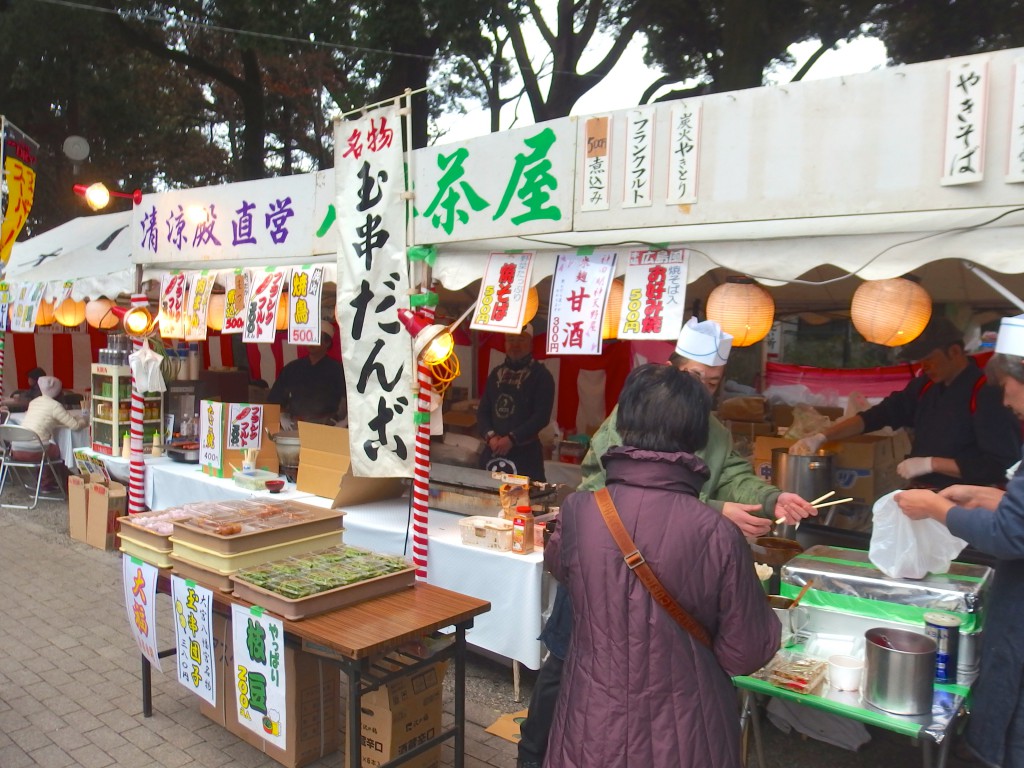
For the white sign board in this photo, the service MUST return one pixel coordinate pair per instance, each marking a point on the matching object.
(193, 631)
(139, 580)
(654, 295)
(501, 305)
(259, 673)
(579, 294)
(516, 182)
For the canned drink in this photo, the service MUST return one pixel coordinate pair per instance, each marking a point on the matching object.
(945, 631)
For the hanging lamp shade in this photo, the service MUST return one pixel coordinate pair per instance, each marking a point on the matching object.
(282, 313)
(70, 313)
(612, 313)
(98, 314)
(743, 308)
(891, 312)
(215, 312)
(532, 305)
(44, 313)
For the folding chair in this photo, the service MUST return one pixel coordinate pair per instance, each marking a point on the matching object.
(23, 454)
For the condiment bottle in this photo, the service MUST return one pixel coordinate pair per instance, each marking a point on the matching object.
(126, 446)
(522, 530)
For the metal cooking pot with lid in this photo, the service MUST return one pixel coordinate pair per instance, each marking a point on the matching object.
(287, 444)
(807, 476)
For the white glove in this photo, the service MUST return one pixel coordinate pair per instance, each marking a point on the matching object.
(807, 446)
(913, 467)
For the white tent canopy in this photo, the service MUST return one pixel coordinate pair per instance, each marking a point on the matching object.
(93, 251)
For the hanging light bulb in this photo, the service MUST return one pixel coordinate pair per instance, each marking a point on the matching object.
(743, 308)
(890, 312)
(612, 313)
(70, 313)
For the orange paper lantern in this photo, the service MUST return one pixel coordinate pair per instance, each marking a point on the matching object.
(282, 313)
(44, 313)
(532, 305)
(612, 313)
(98, 314)
(215, 312)
(743, 308)
(70, 313)
(890, 312)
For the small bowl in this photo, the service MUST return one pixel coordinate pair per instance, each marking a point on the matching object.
(275, 486)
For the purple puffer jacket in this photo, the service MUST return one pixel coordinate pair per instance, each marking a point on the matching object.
(636, 689)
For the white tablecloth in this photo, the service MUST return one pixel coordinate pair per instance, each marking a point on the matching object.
(171, 484)
(515, 585)
(66, 439)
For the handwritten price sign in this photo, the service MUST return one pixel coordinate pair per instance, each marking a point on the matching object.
(304, 306)
(172, 305)
(245, 426)
(261, 305)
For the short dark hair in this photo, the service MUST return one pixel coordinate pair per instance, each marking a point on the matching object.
(1001, 367)
(663, 409)
(36, 373)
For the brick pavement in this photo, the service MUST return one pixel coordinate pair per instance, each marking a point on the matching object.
(70, 691)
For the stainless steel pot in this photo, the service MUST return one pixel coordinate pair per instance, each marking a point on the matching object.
(807, 476)
(900, 670)
(287, 444)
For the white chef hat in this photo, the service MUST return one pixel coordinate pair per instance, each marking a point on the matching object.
(1011, 336)
(704, 342)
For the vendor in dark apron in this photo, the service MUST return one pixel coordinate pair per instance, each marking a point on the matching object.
(515, 407)
(962, 431)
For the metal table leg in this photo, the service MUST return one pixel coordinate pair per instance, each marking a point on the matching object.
(147, 687)
(460, 695)
(355, 726)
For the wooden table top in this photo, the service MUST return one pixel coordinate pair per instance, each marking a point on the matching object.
(375, 626)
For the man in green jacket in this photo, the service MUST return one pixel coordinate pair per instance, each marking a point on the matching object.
(733, 488)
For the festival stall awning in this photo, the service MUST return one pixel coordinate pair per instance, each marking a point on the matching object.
(909, 169)
(92, 251)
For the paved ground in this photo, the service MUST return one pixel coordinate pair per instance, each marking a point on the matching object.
(70, 690)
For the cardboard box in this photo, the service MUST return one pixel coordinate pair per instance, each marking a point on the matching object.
(462, 422)
(865, 466)
(325, 469)
(221, 639)
(312, 706)
(267, 456)
(106, 503)
(78, 505)
(401, 715)
(749, 429)
(743, 409)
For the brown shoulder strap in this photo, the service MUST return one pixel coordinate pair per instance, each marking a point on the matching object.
(636, 563)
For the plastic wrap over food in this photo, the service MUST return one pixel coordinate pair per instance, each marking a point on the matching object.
(845, 580)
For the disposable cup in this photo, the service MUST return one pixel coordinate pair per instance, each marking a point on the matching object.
(844, 672)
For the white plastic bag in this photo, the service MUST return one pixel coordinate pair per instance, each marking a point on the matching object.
(145, 365)
(909, 549)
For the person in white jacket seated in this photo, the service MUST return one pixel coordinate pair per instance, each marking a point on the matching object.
(44, 415)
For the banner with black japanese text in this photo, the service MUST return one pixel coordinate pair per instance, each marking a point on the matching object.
(654, 295)
(373, 284)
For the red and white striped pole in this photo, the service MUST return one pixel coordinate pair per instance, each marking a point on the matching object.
(137, 465)
(421, 465)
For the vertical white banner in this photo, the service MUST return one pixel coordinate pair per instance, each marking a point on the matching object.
(373, 284)
(654, 295)
(172, 304)
(200, 288)
(262, 302)
(139, 581)
(304, 305)
(579, 294)
(966, 104)
(193, 631)
(1015, 160)
(684, 148)
(259, 673)
(596, 154)
(637, 186)
(501, 305)
(211, 433)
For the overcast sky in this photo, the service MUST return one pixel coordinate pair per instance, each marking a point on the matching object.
(631, 76)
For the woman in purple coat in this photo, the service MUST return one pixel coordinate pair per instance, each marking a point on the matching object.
(637, 689)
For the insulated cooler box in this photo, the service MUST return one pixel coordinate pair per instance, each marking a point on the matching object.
(850, 595)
